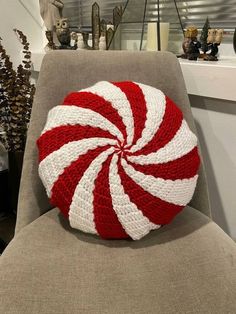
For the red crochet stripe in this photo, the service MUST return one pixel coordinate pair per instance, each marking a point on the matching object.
(182, 168)
(52, 140)
(64, 188)
(97, 104)
(170, 125)
(106, 221)
(156, 210)
(135, 96)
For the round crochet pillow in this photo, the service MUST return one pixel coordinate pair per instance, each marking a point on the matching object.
(118, 159)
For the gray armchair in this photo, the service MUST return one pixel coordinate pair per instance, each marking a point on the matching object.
(188, 266)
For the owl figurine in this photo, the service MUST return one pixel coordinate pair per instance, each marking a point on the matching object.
(63, 33)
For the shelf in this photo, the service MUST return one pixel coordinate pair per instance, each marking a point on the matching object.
(211, 79)
(202, 78)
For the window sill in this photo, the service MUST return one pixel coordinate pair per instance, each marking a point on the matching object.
(211, 79)
(202, 78)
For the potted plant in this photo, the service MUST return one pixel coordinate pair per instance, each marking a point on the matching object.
(16, 97)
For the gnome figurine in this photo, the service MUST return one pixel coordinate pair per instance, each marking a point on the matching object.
(213, 41)
(191, 45)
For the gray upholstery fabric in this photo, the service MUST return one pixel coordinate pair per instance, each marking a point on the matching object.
(65, 71)
(186, 267)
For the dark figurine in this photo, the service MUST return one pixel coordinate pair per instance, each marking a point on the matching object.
(85, 39)
(191, 45)
(50, 45)
(193, 53)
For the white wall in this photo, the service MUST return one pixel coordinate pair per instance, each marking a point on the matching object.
(216, 124)
(23, 15)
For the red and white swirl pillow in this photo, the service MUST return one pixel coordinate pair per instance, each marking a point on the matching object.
(118, 159)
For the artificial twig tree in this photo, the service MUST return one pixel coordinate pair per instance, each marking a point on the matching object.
(16, 97)
(204, 35)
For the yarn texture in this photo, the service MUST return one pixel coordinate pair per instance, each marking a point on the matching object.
(118, 159)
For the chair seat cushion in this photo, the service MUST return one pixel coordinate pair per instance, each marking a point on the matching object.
(118, 159)
(188, 266)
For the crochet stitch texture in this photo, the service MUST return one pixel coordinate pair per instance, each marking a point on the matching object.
(118, 159)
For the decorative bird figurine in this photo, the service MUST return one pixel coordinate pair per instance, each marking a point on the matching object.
(63, 33)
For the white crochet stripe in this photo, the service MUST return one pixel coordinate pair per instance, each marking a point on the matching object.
(156, 106)
(72, 115)
(119, 101)
(131, 218)
(181, 144)
(178, 192)
(54, 164)
(81, 214)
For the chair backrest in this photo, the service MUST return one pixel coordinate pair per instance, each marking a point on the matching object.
(65, 71)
